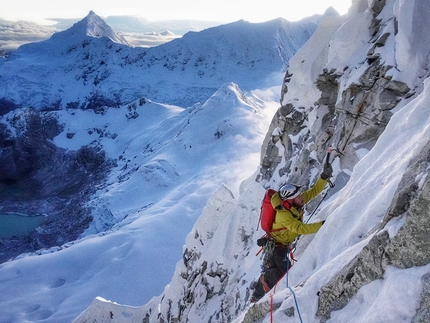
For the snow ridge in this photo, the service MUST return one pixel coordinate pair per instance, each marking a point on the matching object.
(93, 26)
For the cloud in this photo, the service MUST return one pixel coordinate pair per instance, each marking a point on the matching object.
(14, 34)
(138, 31)
(148, 39)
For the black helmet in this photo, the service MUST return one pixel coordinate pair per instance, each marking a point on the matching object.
(289, 191)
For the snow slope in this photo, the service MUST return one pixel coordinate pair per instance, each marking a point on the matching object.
(169, 161)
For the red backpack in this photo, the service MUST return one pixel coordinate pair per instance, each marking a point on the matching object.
(268, 213)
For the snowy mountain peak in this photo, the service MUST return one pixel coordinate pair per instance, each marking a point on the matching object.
(93, 26)
(330, 11)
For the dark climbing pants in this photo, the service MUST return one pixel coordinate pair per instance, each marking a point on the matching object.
(275, 266)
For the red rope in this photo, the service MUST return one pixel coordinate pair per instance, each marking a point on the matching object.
(271, 307)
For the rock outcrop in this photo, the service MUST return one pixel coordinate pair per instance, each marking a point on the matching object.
(352, 123)
(38, 177)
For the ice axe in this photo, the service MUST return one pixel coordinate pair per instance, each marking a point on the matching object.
(328, 164)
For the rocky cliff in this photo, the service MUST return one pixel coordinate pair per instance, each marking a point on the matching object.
(354, 105)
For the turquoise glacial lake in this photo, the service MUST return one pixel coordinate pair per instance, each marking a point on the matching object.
(18, 224)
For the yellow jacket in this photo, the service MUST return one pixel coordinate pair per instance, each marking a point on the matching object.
(291, 221)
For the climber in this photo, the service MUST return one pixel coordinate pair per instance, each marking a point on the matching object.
(288, 203)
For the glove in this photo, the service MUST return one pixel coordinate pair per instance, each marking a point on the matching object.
(262, 242)
(322, 222)
(327, 171)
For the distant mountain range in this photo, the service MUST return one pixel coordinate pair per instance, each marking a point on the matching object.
(89, 65)
(139, 31)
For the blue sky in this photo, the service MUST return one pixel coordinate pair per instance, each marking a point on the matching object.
(220, 10)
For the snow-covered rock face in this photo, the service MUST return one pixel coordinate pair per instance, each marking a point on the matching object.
(408, 248)
(349, 111)
(207, 272)
(356, 102)
(89, 66)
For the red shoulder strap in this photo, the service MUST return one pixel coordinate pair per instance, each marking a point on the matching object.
(286, 205)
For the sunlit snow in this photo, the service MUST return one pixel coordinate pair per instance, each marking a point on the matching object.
(204, 159)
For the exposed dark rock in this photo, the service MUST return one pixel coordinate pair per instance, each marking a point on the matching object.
(423, 313)
(99, 104)
(258, 311)
(38, 177)
(365, 268)
(7, 106)
(356, 122)
(377, 7)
